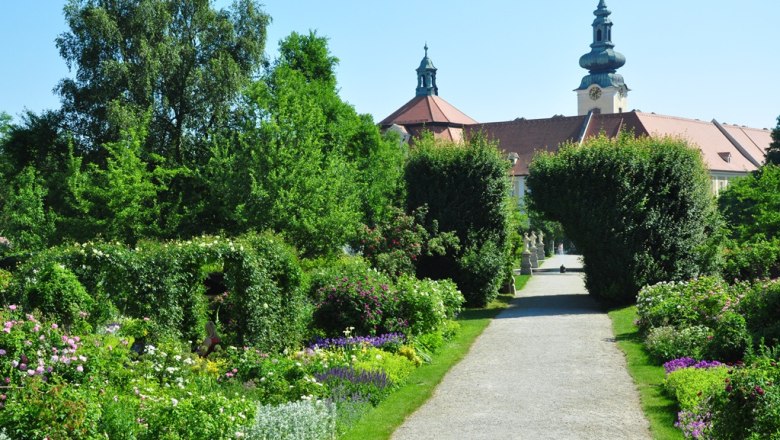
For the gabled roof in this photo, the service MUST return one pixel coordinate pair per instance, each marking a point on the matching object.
(427, 110)
(718, 152)
(526, 136)
(724, 148)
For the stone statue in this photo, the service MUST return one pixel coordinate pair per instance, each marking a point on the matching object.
(540, 247)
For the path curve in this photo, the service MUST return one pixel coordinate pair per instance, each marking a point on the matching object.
(545, 368)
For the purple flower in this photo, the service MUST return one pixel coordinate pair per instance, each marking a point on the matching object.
(2, 352)
(687, 362)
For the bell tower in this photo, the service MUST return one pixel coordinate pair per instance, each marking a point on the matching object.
(426, 77)
(603, 89)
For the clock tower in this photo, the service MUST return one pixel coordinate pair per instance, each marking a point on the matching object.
(603, 89)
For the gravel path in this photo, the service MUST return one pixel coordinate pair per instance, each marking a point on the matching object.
(545, 368)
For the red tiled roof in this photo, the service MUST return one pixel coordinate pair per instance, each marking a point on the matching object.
(715, 147)
(753, 140)
(427, 110)
(524, 137)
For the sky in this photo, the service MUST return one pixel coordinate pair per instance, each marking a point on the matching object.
(497, 60)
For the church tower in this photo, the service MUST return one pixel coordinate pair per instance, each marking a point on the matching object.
(602, 90)
(426, 77)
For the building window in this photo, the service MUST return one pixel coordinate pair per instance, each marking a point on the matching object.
(598, 35)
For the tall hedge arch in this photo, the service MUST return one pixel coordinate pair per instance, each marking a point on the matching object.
(265, 306)
(639, 210)
(465, 188)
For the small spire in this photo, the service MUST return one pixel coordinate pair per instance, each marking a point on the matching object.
(426, 76)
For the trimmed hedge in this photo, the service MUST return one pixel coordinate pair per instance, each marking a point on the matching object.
(639, 210)
(464, 187)
(265, 304)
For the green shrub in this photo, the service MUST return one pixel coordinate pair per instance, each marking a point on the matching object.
(666, 342)
(395, 244)
(57, 293)
(427, 304)
(731, 338)
(696, 302)
(464, 188)
(761, 309)
(397, 367)
(752, 260)
(750, 205)
(750, 406)
(304, 420)
(640, 210)
(364, 303)
(265, 306)
(692, 387)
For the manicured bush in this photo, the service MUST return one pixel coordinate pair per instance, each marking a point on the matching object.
(427, 304)
(696, 302)
(57, 292)
(666, 342)
(303, 420)
(464, 187)
(691, 387)
(639, 210)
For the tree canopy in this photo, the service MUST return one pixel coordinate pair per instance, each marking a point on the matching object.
(180, 60)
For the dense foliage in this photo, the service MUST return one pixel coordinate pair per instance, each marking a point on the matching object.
(464, 188)
(639, 210)
(263, 303)
(272, 147)
(773, 152)
(751, 209)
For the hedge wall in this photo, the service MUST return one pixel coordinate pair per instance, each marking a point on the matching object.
(264, 304)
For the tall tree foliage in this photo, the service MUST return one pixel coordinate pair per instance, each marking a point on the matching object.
(751, 205)
(301, 161)
(773, 153)
(23, 217)
(181, 60)
(639, 210)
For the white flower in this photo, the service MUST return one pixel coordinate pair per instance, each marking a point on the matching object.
(174, 402)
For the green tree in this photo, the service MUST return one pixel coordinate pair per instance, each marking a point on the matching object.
(773, 152)
(118, 202)
(639, 210)
(300, 160)
(181, 60)
(23, 217)
(751, 205)
(465, 188)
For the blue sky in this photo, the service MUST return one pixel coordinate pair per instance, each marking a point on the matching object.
(497, 59)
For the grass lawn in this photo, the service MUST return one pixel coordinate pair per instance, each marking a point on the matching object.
(381, 421)
(660, 410)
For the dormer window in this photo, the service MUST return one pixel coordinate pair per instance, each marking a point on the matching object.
(725, 156)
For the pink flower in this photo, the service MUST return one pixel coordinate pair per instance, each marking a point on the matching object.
(31, 372)
(54, 326)
(80, 369)
(12, 307)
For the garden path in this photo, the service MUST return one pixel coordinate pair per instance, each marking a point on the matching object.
(546, 368)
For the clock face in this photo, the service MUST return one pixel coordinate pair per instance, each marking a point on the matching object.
(594, 93)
